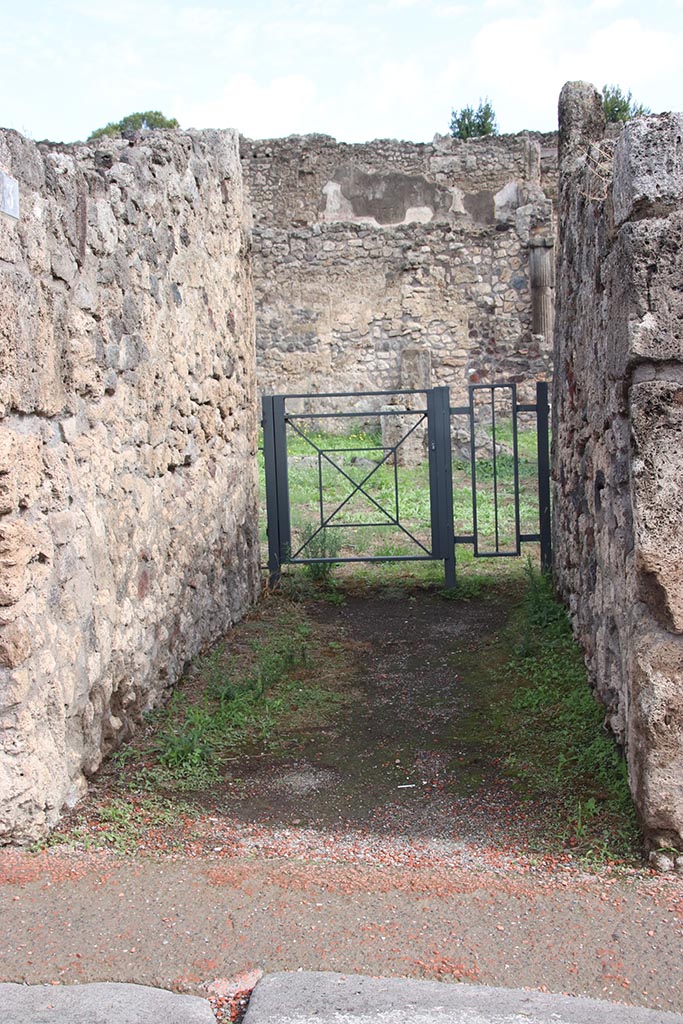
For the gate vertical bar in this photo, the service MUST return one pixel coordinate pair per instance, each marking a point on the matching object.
(473, 469)
(272, 531)
(494, 461)
(434, 505)
(515, 463)
(441, 479)
(542, 423)
(283, 517)
(277, 488)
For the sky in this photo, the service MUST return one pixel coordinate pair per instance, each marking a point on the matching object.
(353, 69)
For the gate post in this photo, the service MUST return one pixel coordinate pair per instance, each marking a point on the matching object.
(440, 479)
(277, 487)
(542, 418)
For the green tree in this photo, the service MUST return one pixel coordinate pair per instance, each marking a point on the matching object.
(469, 123)
(134, 123)
(619, 107)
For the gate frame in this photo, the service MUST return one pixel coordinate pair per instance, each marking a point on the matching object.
(439, 412)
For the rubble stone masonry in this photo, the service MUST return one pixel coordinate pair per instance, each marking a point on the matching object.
(362, 252)
(128, 431)
(618, 433)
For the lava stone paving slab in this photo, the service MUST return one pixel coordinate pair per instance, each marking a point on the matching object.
(102, 1003)
(310, 997)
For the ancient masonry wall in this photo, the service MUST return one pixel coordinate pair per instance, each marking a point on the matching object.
(618, 434)
(128, 525)
(362, 252)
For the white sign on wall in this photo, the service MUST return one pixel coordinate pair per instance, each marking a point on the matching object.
(9, 196)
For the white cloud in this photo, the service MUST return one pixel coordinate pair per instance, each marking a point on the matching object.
(597, 6)
(394, 82)
(164, 28)
(203, 21)
(305, 9)
(356, 69)
(521, 63)
(386, 101)
(450, 10)
(501, 5)
(282, 106)
(628, 52)
(299, 35)
(510, 60)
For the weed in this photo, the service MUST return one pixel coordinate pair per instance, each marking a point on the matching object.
(319, 542)
(543, 611)
(216, 670)
(467, 588)
(122, 756)
(560, 750)
(187, 746)
(241, 703)
(585, 811)
(223, 692)
(119, 823)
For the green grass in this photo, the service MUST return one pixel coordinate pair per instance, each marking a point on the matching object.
(559, 749)
(229, 704)
(122, 819)
(526, 439)
(119, 823)
(414, 506)
(319, 543)
(283, 676)
(238, 704)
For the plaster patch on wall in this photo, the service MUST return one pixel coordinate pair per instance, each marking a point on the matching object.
(337, 206)
(363, 251)
(506, 201)
(385, 199)
(340, 209)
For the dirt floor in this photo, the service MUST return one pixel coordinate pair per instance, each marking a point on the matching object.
(407, 756)
(383, 837)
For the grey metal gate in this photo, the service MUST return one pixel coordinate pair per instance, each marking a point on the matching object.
(431, 409)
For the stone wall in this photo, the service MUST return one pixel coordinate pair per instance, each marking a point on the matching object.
(364, 251)
(128, 524)
(618, 434)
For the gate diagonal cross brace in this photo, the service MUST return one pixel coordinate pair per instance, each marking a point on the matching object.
(438, 415)
(359, 487)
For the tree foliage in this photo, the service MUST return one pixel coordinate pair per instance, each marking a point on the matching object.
(134, 123)
(469, 123)
(620, 107)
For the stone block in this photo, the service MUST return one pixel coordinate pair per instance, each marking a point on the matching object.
(26, 460)
(648, 168)
(581, 119)
(401, 430)
(86, 1004)
(63, 265)
(657, 424)
(650, 272)
(15, 644)
(72, 428)
(416, 367)
(655, 729)
(19, 544)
